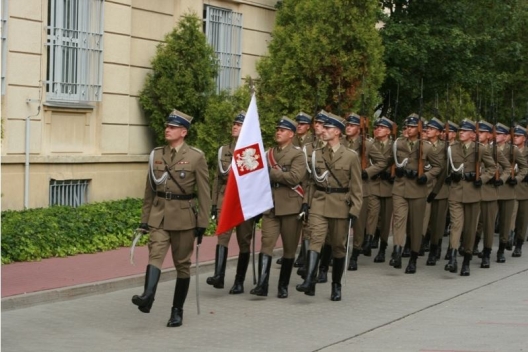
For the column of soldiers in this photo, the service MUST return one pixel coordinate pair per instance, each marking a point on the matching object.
(334, 189)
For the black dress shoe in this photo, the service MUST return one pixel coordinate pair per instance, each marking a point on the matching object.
(452, 265)
(517, 252)
(465, 265)
(411, 267)
(336, 292)
(500, 253)
(431, 259)
(352, 265)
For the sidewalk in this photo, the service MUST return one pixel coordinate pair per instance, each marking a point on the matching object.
(53, 279)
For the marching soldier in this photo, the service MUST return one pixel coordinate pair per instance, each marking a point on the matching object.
(176, 172)
(287, 169)
(303, 135)
(335, 199)
(380, 202)
(506, 194)
(465, 159)
(244, 231)
(521, 193)
(409, 191)
(376, 163)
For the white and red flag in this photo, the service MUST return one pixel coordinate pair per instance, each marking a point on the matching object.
(248, 190)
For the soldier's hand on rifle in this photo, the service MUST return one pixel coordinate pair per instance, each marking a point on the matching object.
(511, 181)
(400, 172)
(257, 218)
(477, 183)
(364, 174)
(214, 212)
(352, 219)
(422, 180)
(143, 228)
(304, 212)
(198, 233)
(431, 197)
(497, 183)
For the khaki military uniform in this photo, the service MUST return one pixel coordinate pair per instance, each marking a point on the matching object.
(377, 163)
(300, 141)
(334, 198)
(409, 197)
(173, 212)
(521, 194)
(244, 231)
(282, 219)
(464, 197)
(441, 189)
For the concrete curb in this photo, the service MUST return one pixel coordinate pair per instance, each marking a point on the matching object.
(67, 293)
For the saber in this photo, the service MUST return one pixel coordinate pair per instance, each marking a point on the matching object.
(347, 245)
(254, 229)
(197, 255)
(137, 236)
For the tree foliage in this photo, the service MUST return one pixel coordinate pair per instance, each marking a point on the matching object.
(183, 76)
(323, 54)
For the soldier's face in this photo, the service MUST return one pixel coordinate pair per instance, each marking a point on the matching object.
(412, 131)
(351, 130)
(235, 129)
(318, 128)
(329, 133)
(519, 140)
(404, 132)
(432, 133)
(452, 135)
(483, 136)
(302, 128)
(174, 134)
(465, 136)
(283, 135)
(502, 137)
(381, 132)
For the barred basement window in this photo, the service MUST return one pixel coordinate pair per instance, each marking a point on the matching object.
(68, 192)
(223, 29)
(75, 50)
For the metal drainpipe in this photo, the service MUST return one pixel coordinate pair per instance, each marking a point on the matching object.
(26, 170)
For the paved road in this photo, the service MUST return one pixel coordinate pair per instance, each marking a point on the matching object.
(382, 310)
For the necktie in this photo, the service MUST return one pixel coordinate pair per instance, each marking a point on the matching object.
(381, 146)
(411, 145)
(465, 149)
(331, 152)
(173, 154)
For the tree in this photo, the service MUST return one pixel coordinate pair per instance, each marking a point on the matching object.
(183, 76)
(323, 54)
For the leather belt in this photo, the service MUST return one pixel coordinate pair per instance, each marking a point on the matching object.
(332, 190)
(277, 185)
(172, 196)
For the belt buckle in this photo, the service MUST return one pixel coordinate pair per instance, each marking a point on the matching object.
(168, 195)
(328, 190)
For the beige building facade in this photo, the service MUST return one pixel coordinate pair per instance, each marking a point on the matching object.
(71, 75)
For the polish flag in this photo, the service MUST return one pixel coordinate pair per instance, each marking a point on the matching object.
(248, 190)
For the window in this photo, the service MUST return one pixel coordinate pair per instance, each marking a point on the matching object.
(68, 192)
(4, 45)
(75, 50)
(223, 29)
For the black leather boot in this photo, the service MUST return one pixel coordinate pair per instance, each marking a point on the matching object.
(308, 286)
(145, 301)
(376, 239)
(511, 239)
(324, 264)
(380, 258)
(500, 253)
(337, 274)
(367, 245)
(421, 252)
(476, 251)
(264, 271)
(217, 280)
(485, 264)
(439, 250)
(299, 262)
(284, 278)
(448, 253)
(465, 264)
(431, 258)
(517, 252)
(397, 256)
(180, 294)
(411, 267)
(452, 265)
(301, 271)
(279, 261)
(427, 241)
(352, 265)
(407, 248)
(242, 265)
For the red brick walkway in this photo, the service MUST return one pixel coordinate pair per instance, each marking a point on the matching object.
(53, 273)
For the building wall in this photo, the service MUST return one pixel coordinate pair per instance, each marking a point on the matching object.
(108, 141)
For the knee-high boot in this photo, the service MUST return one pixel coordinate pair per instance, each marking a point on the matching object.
(242, 265)
(299, 262)
(217, 280)
(337, 274)
(380, 258)
(284, 277)
(452, 265)
(264, 271)
(180, 294)
(146, 299)
(308, 286)
(301, 271)
(326, 255)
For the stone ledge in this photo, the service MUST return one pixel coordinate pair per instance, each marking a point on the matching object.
(74, 159)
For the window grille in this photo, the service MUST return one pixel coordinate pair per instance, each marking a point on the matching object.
(223, 29)
(4, 45)
(68, 192)
(75, 50)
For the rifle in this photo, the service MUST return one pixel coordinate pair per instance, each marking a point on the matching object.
(495, 150)
(420, 141)
(512, 134)
(363, 126)
(477, 152)
(394, 131)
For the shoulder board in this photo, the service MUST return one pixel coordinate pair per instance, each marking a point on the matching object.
(352, 150)
(318, 149)
(196, 149)
(400, 139)
(296, 147)
(158, 148)
(428, 142)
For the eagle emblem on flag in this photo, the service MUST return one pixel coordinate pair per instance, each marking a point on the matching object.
(248, 159)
